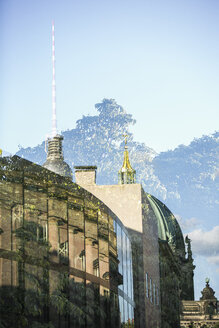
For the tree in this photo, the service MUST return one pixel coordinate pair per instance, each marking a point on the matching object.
(97, 136)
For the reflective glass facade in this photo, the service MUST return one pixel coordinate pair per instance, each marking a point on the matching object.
(125, 290)
(71, 248)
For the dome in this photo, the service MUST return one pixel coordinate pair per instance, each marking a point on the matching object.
(55, 160)
(168, 227)
(59, 167)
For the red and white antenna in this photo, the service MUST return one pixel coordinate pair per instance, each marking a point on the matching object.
(54, 121)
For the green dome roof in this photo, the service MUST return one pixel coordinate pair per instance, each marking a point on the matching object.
(168, 227)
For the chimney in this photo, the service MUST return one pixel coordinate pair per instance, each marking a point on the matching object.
(85, 175)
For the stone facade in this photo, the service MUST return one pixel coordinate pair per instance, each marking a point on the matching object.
(203, 313)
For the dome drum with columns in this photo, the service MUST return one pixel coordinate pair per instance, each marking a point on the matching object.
(55, 160)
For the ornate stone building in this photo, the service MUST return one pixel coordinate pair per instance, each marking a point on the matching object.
(203, 313)
(158, 247)
(87, 255)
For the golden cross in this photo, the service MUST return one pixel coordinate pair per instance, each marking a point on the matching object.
(125, 136)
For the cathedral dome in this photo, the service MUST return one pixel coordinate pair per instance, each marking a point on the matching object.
(59, 167)
(168, 227)
(55, 160)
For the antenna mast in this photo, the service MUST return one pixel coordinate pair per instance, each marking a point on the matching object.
(54, 121)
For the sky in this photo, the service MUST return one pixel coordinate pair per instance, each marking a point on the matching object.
(158, 59)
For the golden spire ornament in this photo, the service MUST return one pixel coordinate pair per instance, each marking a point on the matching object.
(127, 174)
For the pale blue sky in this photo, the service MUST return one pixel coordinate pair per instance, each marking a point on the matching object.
(158, 59)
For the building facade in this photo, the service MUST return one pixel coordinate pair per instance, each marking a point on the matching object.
(85, 255)
(166, 266)
(203, 313)
(65, 257)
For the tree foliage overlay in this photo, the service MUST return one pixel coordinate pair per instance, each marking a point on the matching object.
(182, 177)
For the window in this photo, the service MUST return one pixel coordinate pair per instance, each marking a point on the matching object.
(119, 245)
(129, 257)
(42, 231)
(63, 249)
(147, 290)
(82, 258)
(151, 292)
(121, 308)
(17, 217)
(62, 242)
(124, 248)
(96, 267)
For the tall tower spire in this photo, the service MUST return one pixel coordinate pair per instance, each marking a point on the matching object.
(54, 120)
(127, 174)
(55, 160)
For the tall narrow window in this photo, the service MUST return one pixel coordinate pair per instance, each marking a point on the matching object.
(146, 282)
(63, 242)
(42, 231)
(17, 221)
(96, 267)
(76, 237)
(151, 292)
(82, 260)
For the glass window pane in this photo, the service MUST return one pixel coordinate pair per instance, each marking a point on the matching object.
(119, 246)
(147, 289)
(130, 313)
(124, 262)
(154, 294)
(131, 274)
(125, 311)
(121, 309)
(151, 292)
(129, 267)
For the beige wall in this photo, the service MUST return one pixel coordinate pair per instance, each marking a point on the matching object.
(123, 200)
(85, 177)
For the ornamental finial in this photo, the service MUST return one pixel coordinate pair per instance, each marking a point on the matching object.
(127, 174)
(125, 136)
(207, 280)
